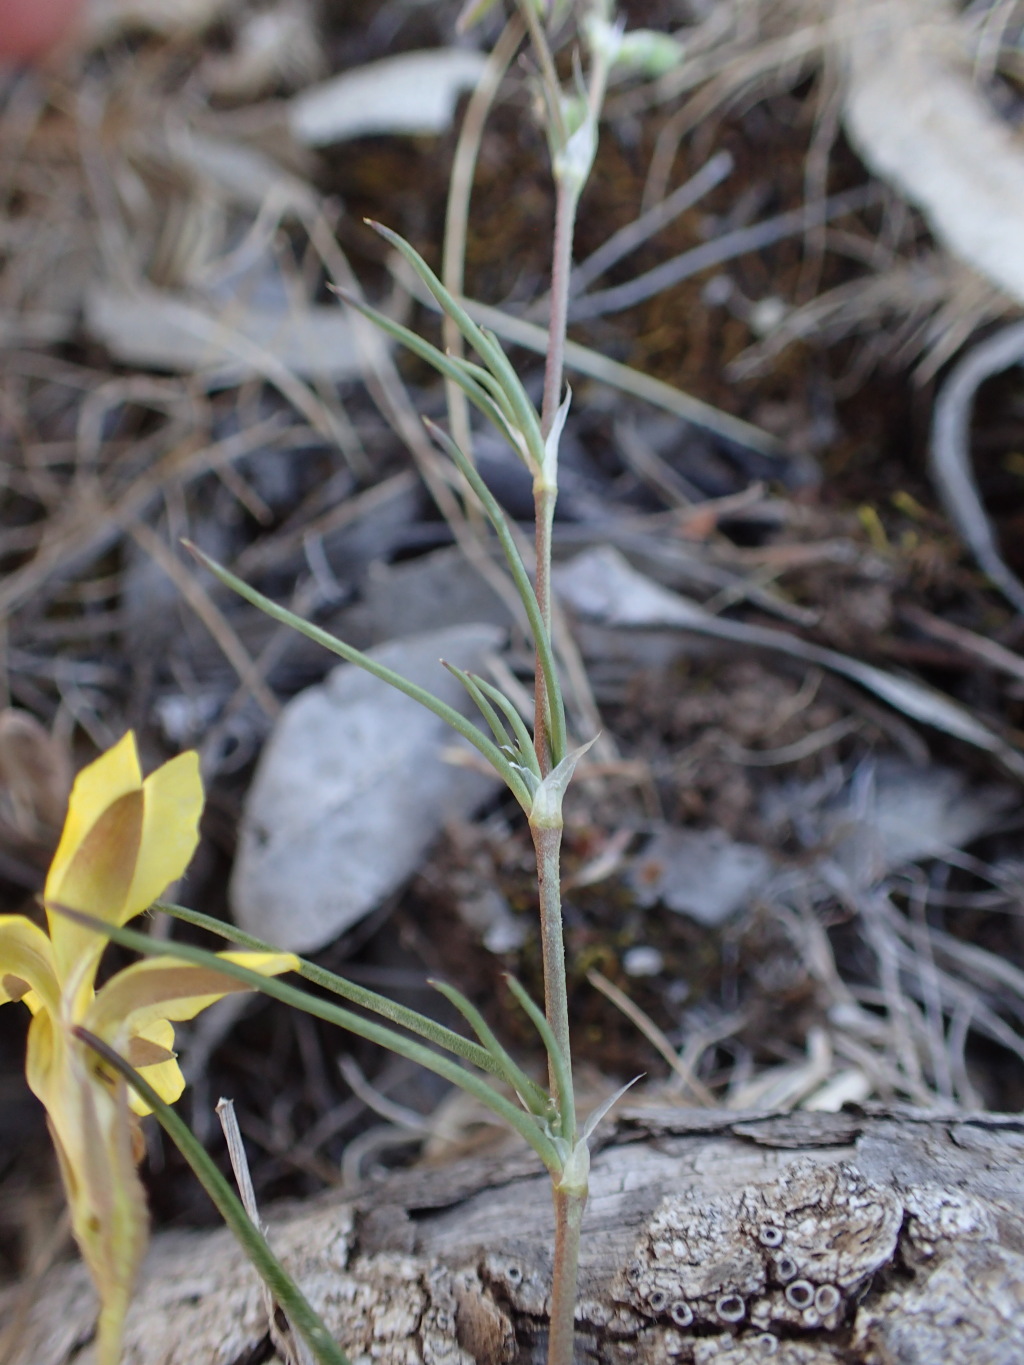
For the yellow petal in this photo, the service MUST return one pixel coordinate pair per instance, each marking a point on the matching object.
(124, 842)
(93, 1133)
(267, 964)
(162, 988)
(163, 1075)
(93, 1130)
(97, 881)
(26, 964)
(166, 1079)
(96, 787)
(140, 1001)
(43, 1069)
(170, 830)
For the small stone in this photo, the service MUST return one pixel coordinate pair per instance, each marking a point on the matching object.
(642, 961)
(352, 788)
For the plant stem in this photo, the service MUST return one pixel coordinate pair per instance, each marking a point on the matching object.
(570, 1192)
(544, 516)
(544, 495)
(547, 843)
(562, 1323)
(561, 266)
(567, 197)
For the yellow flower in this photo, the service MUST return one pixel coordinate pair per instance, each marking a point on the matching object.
(124, 841)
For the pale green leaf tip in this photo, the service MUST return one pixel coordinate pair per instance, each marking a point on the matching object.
(546, 810)
(573, 163)
(604, 38)
(644, 52)
(574, 1179)
(605, 1107)
(575, 1172)
(549, 470)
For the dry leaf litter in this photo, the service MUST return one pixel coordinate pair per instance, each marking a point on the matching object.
(793, 864)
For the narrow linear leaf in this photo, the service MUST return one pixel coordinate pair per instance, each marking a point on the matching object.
(535, 1097)
(559, 1061)
(527, 594)
(448, 714)
(485, 343)
(473, 333)
(526, 413)
(447, 365)
(373, 1032)
(303, 1317)
(602, 1109)
(515, 720)
(348, 990)
(488, 712)
(487, 381)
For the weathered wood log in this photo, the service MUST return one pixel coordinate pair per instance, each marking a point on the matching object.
(811, 1239)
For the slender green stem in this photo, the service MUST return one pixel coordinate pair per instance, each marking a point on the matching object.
(545, 494)
(569, 1210)
(569, 1202)
(547, 843)
(546, 717)
(285, 1291)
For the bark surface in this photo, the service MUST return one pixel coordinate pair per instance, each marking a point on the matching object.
(808, 1239)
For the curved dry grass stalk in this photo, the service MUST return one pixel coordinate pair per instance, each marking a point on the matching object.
(909, 79)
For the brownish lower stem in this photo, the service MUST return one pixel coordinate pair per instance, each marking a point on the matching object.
(562, 1330)
(566, 200)
(547, 842)
(546, 488)
(544, 515)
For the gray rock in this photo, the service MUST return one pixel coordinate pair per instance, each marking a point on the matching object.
(352, 788)
(700, 873)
